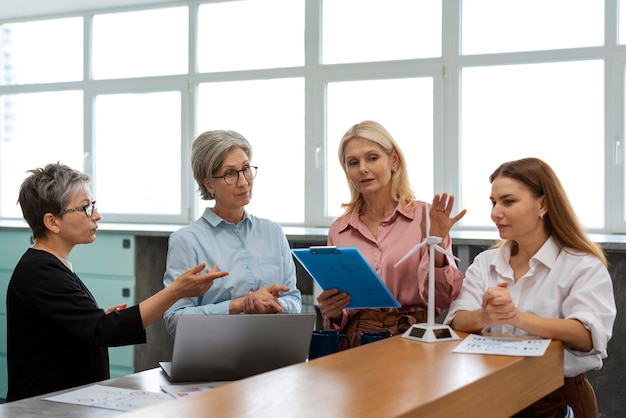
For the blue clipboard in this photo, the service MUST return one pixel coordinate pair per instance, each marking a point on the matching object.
(346, 269)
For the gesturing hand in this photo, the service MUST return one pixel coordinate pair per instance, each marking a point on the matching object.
(440, 220)
(194, 283)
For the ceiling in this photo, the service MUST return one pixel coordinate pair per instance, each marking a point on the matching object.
(14, 9)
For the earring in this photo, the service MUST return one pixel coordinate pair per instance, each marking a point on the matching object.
(541, 215)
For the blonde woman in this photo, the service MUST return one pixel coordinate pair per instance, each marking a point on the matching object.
(384, 220)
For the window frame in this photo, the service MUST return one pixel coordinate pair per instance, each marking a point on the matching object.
(445, 72)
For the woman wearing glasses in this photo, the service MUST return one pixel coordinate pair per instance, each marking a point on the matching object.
(255, 251)
(57, 336)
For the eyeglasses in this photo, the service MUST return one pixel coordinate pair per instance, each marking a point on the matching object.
(232, 176)
(88, 209)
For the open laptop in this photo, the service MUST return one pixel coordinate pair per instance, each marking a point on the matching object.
(213, 348)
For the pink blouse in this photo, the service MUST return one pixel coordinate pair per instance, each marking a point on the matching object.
(396, 236)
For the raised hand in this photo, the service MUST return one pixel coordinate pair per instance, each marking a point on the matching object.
(440, 220)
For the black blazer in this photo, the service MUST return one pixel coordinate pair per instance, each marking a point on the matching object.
(57, 336)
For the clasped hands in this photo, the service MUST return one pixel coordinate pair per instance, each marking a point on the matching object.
(263, 301)
(497, 306)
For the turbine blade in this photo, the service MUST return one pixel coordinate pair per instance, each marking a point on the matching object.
(409, 253)
(441, 250)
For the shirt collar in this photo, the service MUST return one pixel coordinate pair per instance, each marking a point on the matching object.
(546, 255)
(214, 220)
(352, 218)
(548, 252)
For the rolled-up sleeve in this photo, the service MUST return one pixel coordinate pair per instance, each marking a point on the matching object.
(593, 287)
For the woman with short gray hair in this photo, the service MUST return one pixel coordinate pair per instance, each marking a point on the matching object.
(57, 335)
(255, 251)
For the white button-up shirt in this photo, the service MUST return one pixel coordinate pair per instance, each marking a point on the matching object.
(561, 283)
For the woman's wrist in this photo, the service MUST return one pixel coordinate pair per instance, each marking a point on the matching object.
(236, 306)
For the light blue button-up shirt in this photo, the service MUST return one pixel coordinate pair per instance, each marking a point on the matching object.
(255, 252)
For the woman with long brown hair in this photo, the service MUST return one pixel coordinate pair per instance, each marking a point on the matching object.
(546, 278)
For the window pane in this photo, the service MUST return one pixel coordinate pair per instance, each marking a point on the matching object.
(551, 111)
(490, 26)
(244, 35)
(138, 142)
(621, 23)
(270, 114)
(140, 44)
(380, 30)
(623, 152)
(37, 129)
(404, 107)
(42, 52)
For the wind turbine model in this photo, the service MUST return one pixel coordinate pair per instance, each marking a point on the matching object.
(430, 331)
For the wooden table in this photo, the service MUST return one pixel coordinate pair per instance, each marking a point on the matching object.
(395, 377)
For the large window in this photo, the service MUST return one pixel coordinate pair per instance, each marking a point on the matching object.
(534, 110)
(45, 127)
(245, 35)
(55, 57)
(138, 145)
(403, 106)
(270, 114)
(375, 30)
(492, 26)
(140, 44)
(462, 86)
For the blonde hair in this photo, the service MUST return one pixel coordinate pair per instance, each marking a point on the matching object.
(401, 190)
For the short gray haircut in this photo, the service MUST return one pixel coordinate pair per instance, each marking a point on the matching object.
(207, 155)
(48, 190)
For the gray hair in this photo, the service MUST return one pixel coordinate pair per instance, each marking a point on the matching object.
(207, 155)
(48, 190)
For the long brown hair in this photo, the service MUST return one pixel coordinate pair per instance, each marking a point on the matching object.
(560, 220)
